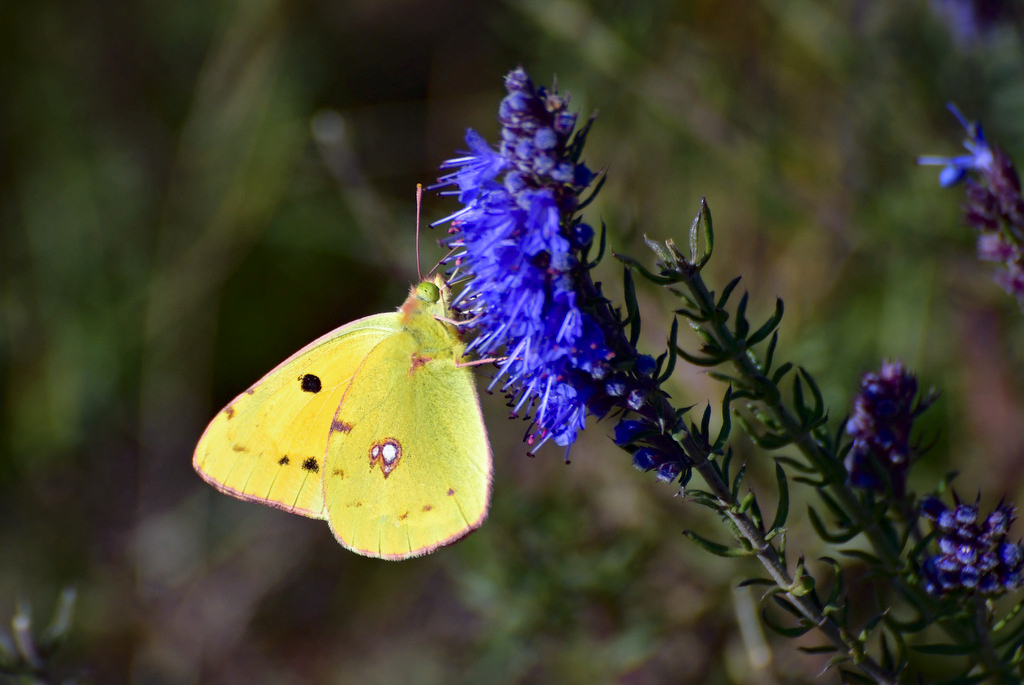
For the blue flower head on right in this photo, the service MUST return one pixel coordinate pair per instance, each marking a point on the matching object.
(956, 168)
(518, 253)
(994, 205)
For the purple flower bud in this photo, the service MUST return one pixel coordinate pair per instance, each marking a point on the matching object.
(969, 577)
(946, 522)
(545, 139)
(932, 508)
(668, 472)
(966, 554)
(988, 561)
(643, 459)
(966, 514)
(1011, 554)
(625, 431)
(988, 584)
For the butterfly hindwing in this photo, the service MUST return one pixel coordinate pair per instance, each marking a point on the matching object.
(408, 465)
(267, 445)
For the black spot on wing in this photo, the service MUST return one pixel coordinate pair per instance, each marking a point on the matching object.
(284, 461)
(311, 465)
(310, 383)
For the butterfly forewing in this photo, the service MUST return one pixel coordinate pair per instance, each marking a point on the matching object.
(268, 444)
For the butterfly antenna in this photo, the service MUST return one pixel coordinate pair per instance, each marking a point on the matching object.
(419, 204)
(441, 261)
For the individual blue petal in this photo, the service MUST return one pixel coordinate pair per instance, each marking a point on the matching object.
(981, 157)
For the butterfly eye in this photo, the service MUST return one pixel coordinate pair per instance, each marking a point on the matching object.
(428, 292)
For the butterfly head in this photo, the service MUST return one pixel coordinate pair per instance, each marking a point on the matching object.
(430, 298)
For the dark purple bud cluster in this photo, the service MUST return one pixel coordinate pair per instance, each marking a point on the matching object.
(654, 450)
(883, 416)
(993, 205)
(974, 555)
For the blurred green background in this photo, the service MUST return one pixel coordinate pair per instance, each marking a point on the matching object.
(190, 191)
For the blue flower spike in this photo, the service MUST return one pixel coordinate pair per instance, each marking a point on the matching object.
(993, 206)
(883, 416)
(519, 255)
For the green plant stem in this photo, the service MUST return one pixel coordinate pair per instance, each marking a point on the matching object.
(989, 659)
(698, 455)
(773, 563)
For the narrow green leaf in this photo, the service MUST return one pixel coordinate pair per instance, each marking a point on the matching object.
(727, 292)
(824, 533)
(725, 378)
(596, 188)
(758, 582)
(715, 548)
(783, 509)
(602, 244)
(794, 632)
(816, 483)
(768, 326)
(769, 355)
(723, 433)
(726, 465)
(849, 676)
(738, 480)
(632, 308)
(819, 402)
(780, 373)
(838, 584)
(773, 441)
(821, 649)
(862, 555)
(796, 464)
(888, 662)
(741, 326)
(638, 267)
(671, 352)
(683, 296)
(709, 233)
(836, 509)
(698, 361)
(663, 253)
(798, 400)
(944, 650)
(693, 315)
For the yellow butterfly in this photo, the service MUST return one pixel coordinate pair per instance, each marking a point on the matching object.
(375, 427)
